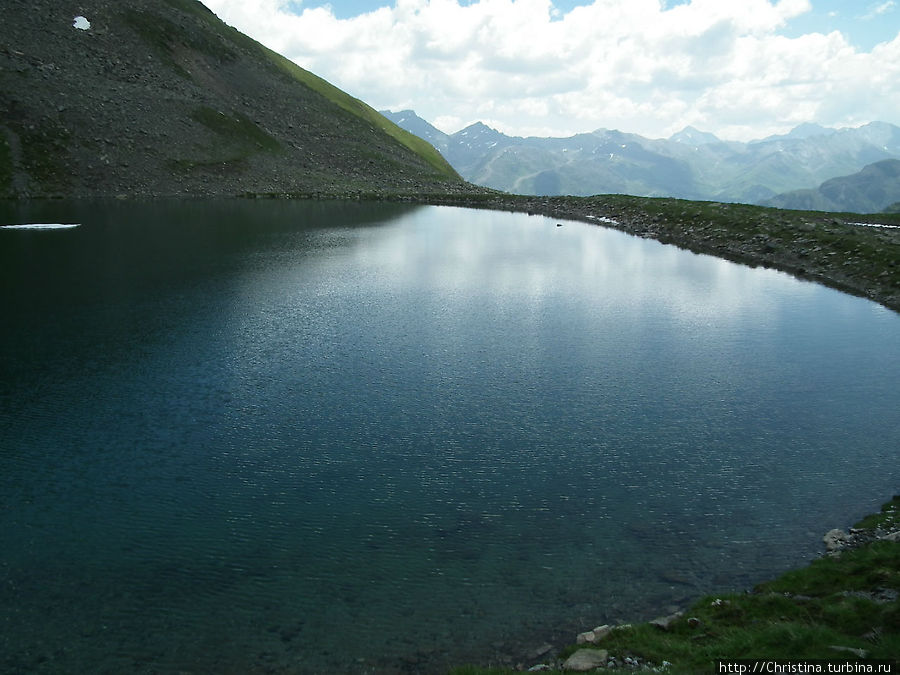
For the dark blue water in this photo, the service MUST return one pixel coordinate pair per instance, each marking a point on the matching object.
(301, 438)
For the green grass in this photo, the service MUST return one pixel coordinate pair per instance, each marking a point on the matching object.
(236, 128)
(239, 136)
(162, 35)
(365, 112)
(888, 517)
(44, 152)
(834, 601)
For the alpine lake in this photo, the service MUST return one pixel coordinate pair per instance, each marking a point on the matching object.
(336, 437)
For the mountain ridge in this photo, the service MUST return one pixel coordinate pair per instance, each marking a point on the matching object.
(873, 189)
(691, 164)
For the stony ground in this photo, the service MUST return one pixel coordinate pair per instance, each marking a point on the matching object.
(159, 98)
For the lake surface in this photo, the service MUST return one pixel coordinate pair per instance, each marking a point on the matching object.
(244, 436)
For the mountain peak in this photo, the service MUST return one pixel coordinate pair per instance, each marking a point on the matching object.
(808, 130)
(480, 127)
(801, 132)
(409, 120)
(693, 136)
(480, 131)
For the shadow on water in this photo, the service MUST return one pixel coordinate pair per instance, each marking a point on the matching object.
(158, 242)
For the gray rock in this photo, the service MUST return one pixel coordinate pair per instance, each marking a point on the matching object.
(664, 622)
(835, 539)
(893, 536)
(593, 636)
(586, 659)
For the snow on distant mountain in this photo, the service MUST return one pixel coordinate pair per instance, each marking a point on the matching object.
(692, 136)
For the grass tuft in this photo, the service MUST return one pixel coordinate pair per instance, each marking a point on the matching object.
(236, 128)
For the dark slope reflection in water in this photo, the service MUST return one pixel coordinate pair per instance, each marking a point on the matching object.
(300, 437)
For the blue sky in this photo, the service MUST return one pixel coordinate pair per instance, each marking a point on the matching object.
(865, 24)
(859, 21)
(741, 69)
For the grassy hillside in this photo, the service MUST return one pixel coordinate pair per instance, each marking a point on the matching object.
(160, 97)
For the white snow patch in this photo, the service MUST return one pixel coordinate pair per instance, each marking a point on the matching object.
(603, 219)
(41, 226)
(887, 227)
(81, 23)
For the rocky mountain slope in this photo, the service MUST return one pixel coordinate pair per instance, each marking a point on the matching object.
(159, 97)
(874, 189)
(690, 165)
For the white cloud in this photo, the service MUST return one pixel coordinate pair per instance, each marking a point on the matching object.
(880, 9)
(635, 65)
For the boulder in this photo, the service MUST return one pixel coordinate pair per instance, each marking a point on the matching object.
(586, 659)
(593, 636)
(835, 539)
(664, 622)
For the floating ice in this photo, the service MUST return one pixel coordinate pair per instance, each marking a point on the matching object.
(889, 227)
(40, 226)
(81, 23)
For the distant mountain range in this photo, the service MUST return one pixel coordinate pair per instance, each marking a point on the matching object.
(875, 188)
(691, 164)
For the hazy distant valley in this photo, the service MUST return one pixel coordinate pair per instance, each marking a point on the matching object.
(690, 164)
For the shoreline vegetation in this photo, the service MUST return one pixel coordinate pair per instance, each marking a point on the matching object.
(842, 608)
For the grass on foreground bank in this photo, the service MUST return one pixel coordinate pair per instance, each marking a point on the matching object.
(848, 600)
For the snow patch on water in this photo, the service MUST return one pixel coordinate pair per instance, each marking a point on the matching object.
(889, 227)
(41, 226)
(81, 23)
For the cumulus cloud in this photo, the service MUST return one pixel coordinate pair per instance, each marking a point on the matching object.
(528, 68)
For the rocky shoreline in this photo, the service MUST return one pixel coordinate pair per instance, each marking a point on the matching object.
(590, 653)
